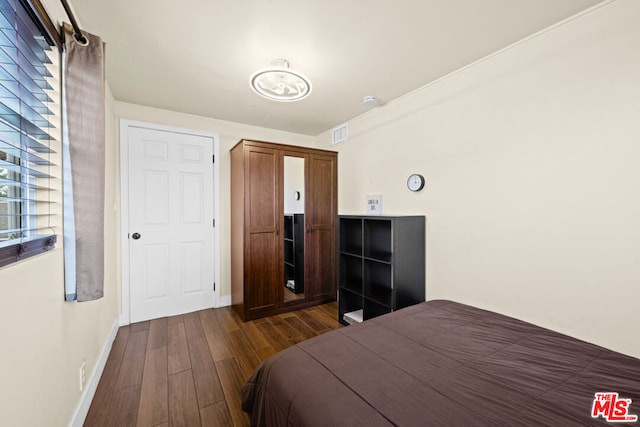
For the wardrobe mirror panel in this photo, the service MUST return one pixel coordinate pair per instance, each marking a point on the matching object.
(294, 228)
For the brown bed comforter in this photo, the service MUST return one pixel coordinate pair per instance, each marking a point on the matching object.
(439, 363)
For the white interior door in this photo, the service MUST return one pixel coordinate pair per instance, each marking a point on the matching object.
(171, 246)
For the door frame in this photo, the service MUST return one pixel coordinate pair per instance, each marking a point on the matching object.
(125, 124)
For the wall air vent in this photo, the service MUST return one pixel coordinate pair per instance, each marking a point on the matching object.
(340, 133)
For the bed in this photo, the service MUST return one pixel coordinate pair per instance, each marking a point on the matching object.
(442, 363)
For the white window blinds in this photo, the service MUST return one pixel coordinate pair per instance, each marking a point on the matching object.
(28, 101)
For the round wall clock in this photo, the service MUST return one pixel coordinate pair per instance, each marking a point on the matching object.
(415, 182)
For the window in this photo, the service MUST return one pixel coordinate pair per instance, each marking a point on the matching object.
(29, 100)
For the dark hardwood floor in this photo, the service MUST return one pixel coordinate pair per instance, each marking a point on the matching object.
(188, 370)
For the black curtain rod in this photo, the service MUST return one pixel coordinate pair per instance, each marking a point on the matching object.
(76, 28)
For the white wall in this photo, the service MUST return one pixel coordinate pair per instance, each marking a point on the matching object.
(44, 339)
(230, 133)
(531, 160)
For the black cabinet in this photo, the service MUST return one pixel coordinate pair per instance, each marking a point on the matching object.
(381, 265)
(294, 252)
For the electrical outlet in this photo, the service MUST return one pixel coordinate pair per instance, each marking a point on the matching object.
(83, 374)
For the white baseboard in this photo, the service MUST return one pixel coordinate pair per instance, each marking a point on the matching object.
(224, 301)
(82, 409)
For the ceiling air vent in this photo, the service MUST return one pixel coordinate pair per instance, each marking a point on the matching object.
(340, 133)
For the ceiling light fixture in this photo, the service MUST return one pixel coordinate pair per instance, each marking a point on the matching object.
(279, 83)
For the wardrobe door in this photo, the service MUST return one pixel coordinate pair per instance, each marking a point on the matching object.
(262, 227)
(321, 227)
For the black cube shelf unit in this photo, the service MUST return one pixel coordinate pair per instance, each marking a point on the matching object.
(382, 265)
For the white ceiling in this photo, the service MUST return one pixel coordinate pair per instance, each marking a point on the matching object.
(196, 56)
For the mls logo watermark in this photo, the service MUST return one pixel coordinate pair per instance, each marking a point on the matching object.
(610, 406)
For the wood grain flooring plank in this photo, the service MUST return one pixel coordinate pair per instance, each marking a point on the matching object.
(123, 408)
(287, 314)
(303, 329)
(330, 310)
(101, 400)
(324, 318)
(209, 322)
(99, 409)
(172, 320)
(116, 355)
(114, 361)
(276, 340)
(218, 346)
(140, 326)
(157, 333)
(133, 360)
(236, 318)
(208, 388)
(232, 382)
(216, 415)
(120, 343)
(176, 333)
(183, 406)
(193, 326)
(227, 319)
(153, 408)
(265, 353)
(216, 340)
(243, 352)
(289, 333)
(257, 340)
(312, 322)
(178, 350)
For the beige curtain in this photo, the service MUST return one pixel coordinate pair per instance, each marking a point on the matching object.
(84, 88)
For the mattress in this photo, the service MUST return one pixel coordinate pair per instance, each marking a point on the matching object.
(443, 363)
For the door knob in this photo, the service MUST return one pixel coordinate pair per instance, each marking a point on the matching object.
(135, 236)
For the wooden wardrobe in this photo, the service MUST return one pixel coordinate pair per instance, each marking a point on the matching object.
(261, 176)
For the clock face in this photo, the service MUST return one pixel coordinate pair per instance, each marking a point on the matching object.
(415, 182)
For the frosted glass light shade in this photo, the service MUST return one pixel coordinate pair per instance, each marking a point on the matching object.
(280, 84)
